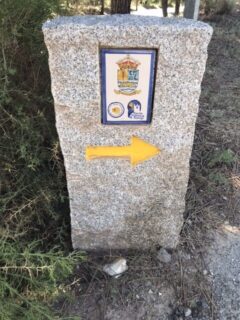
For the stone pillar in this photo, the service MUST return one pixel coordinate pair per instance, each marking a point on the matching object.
(191, 9)
(115, 205)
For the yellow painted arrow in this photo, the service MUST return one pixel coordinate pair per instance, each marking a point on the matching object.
(138, 151)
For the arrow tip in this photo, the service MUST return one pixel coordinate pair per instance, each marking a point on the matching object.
(141, 150)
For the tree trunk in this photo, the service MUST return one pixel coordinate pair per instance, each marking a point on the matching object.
(120, 6)
(177, 7)
(102, 7)
(164, 7)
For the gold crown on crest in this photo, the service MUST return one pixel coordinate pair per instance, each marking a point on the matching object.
(128, 63)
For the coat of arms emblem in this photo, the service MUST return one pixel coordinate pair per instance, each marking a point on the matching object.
(127, 76)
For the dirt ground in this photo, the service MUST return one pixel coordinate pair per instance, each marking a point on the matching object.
(203, 274)
(223, 262)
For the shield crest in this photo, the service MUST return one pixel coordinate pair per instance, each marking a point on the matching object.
(127, 76)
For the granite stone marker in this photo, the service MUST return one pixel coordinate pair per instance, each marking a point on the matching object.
(126, 88)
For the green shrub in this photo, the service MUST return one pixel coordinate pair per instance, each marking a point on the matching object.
(34, 213)
(218, 179)
(29, 279)
(33, 187)
(224, 157)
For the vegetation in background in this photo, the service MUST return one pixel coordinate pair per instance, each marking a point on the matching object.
(218, 6)
(34, 213)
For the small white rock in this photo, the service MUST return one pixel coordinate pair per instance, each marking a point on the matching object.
(164, 256)
(187, 312)
(150, 291)
(205, 272)
(116, 268)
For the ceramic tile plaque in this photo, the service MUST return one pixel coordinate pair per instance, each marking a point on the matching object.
(127, 85)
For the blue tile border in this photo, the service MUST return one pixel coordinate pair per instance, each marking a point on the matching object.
(153, 53)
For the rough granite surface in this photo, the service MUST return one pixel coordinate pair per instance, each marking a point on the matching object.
(114, 205)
